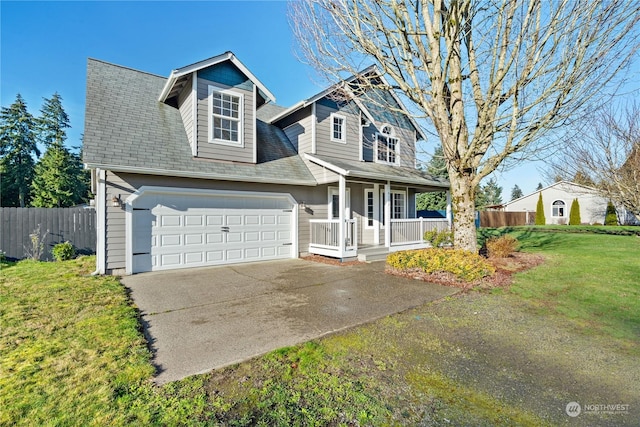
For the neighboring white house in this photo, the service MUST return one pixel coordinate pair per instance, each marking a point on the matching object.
(557, 199)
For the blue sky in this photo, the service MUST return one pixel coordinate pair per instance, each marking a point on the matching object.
(44, 48)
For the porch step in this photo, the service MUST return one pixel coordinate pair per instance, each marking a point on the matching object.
(372, 254)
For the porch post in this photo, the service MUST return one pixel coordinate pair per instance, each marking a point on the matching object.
(387, 214)
(449, 208)
(376, 214)
(342, 197)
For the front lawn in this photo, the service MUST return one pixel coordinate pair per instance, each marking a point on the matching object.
(72, 353)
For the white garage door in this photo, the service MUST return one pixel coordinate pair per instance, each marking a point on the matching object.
(178, 231)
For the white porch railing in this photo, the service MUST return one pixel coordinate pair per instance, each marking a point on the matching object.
(325, 238)
(405, 232)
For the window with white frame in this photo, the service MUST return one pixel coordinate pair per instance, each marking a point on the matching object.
(334, 203)
(558, 209)
(386, 146)
(369, 207)
(338, 128)
(398, 204)
(225, 116)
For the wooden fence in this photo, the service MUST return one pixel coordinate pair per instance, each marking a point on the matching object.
(494, 219)
(56, 225)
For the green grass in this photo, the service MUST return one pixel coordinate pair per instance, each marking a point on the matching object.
(72, 352)
(591, 280)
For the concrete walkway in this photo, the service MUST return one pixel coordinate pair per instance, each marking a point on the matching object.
(201, 319)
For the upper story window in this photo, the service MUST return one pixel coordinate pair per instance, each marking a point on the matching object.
(386, 146)
(557, 208)
(225, 116)
(338, 128)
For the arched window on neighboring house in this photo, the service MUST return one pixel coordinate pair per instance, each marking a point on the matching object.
(558, 209)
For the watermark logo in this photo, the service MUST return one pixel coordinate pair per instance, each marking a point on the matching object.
(573, 409)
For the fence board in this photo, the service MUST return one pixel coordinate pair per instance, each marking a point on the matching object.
(76, 225)
(494, 219)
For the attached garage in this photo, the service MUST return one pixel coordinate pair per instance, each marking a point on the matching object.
(171, 228)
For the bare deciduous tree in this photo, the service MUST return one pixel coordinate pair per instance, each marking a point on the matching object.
(605, 151)
(492, 77)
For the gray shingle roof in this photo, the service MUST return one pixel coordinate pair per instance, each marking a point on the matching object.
(127, 129)
(378, 171)
(268, 111)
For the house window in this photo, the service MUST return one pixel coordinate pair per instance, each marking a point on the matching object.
(398, 205)
(338, 131)
(334, 203)
(558, 208)
(368, 196)
(225, 116)
(386, 146)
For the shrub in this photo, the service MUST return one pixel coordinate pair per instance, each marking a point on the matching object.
(540, 218)
(611, 218)
(502, 247)
(465, 265)
(3, 256)
(574, 213)
(63, 251)
(438, 238)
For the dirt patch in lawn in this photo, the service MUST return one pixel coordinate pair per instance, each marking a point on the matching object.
(502, 278)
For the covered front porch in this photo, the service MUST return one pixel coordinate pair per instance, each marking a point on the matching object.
(369, 213)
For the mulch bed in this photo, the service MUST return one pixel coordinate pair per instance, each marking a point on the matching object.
(502, 278)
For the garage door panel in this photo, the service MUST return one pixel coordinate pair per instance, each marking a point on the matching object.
(188, 230)
(268, 219)
(234, 220)
(215, 219)
(193, 220)
(193, 258)
(170, 220)
(170, 240)
(168, 260)
(193, 239)
(252, 236)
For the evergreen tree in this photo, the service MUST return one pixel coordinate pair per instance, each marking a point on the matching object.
(540, 218)
(574, 213)
(437, 167)
(539, 187)
(53, 122)
(17, 148)
(516, 192)
(611, 217)
(489, 194)
(59, 178)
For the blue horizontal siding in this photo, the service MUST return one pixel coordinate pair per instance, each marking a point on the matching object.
(227, 74)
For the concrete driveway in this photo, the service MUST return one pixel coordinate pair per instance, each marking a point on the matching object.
(201, 319)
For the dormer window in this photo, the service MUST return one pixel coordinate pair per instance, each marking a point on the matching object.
(386, 146)
(225, 116)
(338, 130)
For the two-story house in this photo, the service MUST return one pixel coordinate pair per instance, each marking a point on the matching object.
(203, 168)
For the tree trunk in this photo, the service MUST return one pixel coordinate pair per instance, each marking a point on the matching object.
(464, 211)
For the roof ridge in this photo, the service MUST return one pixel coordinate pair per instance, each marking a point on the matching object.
(125, 67)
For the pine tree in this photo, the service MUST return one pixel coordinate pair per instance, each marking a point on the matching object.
(489, 194)
(437, 167)
(574, 213)
(58, 179)
(611, 217)
(17, 148)
(53, 122)
(516, 192)
(540, 218)
(539, 187)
